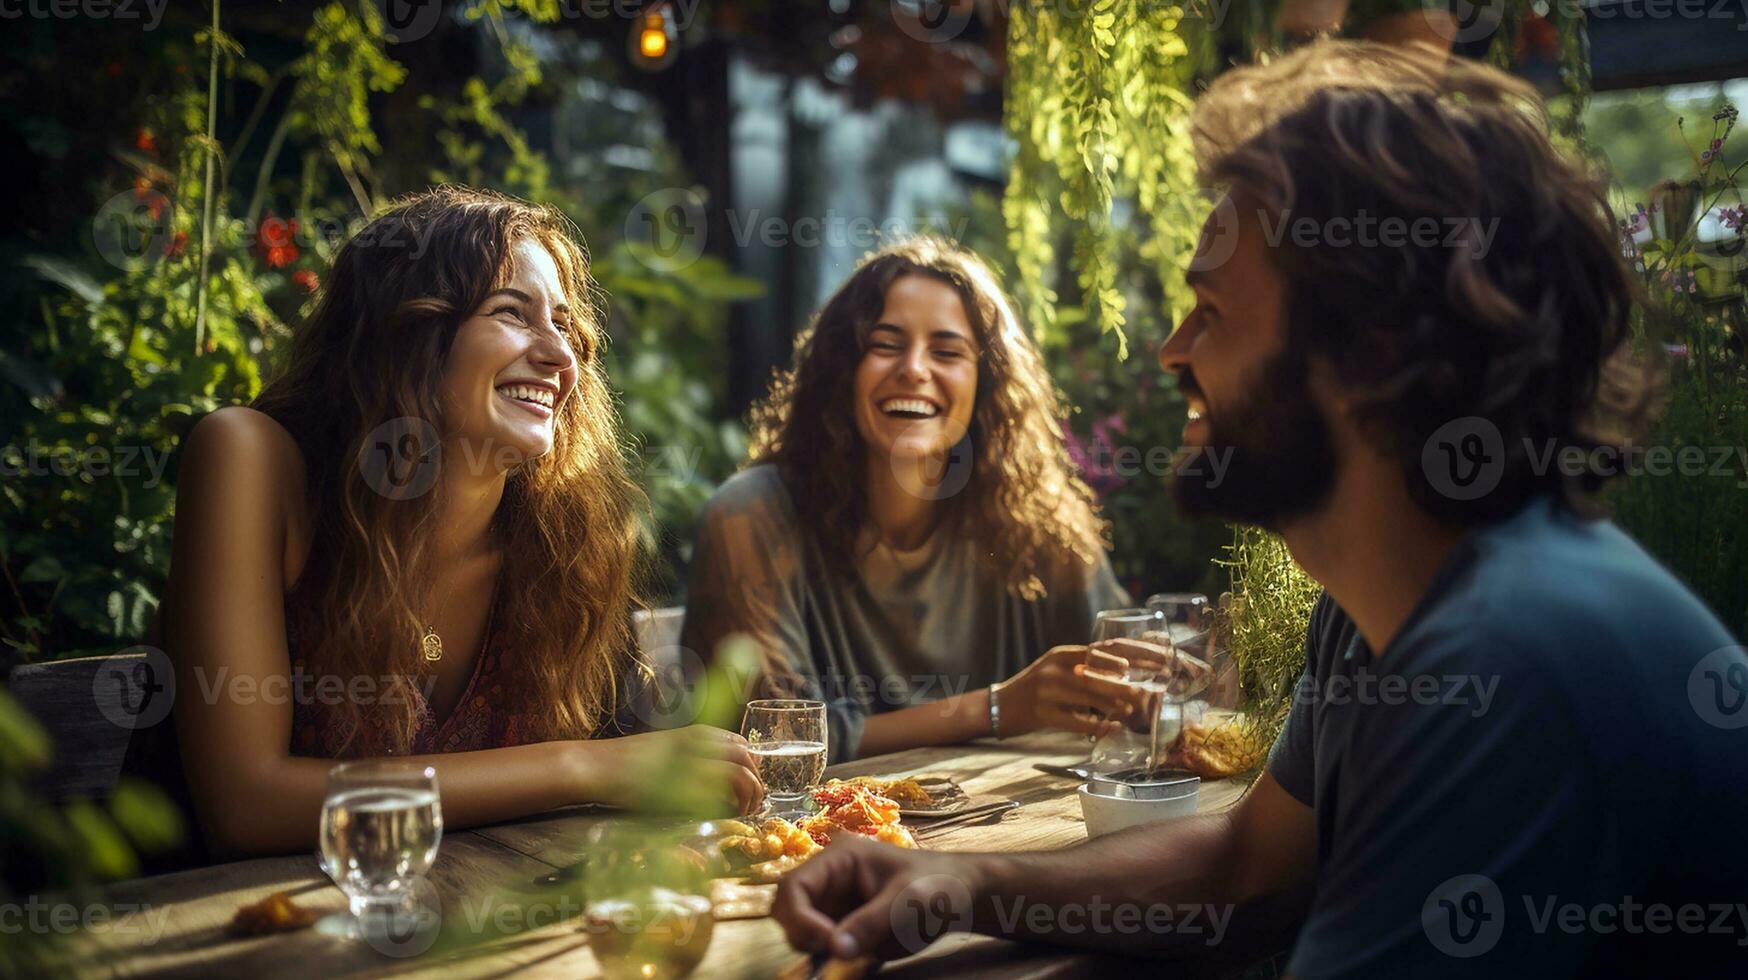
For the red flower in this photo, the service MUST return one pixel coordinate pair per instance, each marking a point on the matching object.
(146, 141)
(307, 279)
(177, 243)
(274, 241)
(1538, 35)
(148, 195)
(114, 69)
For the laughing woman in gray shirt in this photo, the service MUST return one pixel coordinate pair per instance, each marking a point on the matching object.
(910, 542)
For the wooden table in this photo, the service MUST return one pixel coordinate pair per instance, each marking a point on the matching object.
(176, 924)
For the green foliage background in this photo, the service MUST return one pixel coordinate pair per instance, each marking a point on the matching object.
(1697, 284)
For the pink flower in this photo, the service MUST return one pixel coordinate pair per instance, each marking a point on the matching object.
(1095, 462)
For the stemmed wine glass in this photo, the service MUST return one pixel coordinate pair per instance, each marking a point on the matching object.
(382, 821)
(787, 738)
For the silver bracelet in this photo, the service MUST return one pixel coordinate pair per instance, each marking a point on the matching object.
(995, 709)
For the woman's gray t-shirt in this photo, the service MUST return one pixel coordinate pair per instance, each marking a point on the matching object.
(910, 627)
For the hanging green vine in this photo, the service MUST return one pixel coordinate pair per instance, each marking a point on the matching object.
(1098, 110)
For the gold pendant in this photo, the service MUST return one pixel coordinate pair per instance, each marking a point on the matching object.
(432, 644)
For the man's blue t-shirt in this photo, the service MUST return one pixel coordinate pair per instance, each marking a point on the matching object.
(1545, 773)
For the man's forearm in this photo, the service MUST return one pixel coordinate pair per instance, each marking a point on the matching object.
(1174, 887)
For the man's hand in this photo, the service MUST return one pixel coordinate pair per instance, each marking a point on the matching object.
(859, 897)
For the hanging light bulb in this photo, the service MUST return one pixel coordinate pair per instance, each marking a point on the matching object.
(653, 38)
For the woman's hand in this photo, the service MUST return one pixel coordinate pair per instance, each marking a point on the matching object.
(652, 767)
(1058, 690)
(1183, 674)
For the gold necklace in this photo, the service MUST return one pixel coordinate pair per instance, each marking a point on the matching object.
(432, 644)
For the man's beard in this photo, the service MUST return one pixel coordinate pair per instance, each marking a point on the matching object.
(1282, 460)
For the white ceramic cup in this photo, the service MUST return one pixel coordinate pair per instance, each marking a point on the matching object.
(1108, 814)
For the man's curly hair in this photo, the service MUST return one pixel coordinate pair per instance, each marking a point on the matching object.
(1033, 517)
(1529, 329)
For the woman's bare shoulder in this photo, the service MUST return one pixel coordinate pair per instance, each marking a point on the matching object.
(238, 433)
(239, 436)
(240, 463)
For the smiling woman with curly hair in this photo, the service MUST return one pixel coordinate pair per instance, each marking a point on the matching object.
(419, 543)
(911, 537)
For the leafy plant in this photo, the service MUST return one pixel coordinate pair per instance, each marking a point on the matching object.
(1096, 105)
(1693, 522)
(54, 854)
(1263, 622)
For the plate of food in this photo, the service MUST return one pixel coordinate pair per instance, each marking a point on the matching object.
(769, 849)
(921, 797)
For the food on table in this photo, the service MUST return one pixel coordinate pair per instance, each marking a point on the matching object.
(905, 791)
(775, 838)
(275, 913)
(733, 827)
(771, 872)
(777, 846)
(1215, 747)
(846, 808)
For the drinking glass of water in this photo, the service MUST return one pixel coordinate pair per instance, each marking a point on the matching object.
(1132, 745)
(381, 823)
(787, 737)
(1189, 618)
(1187, 615)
